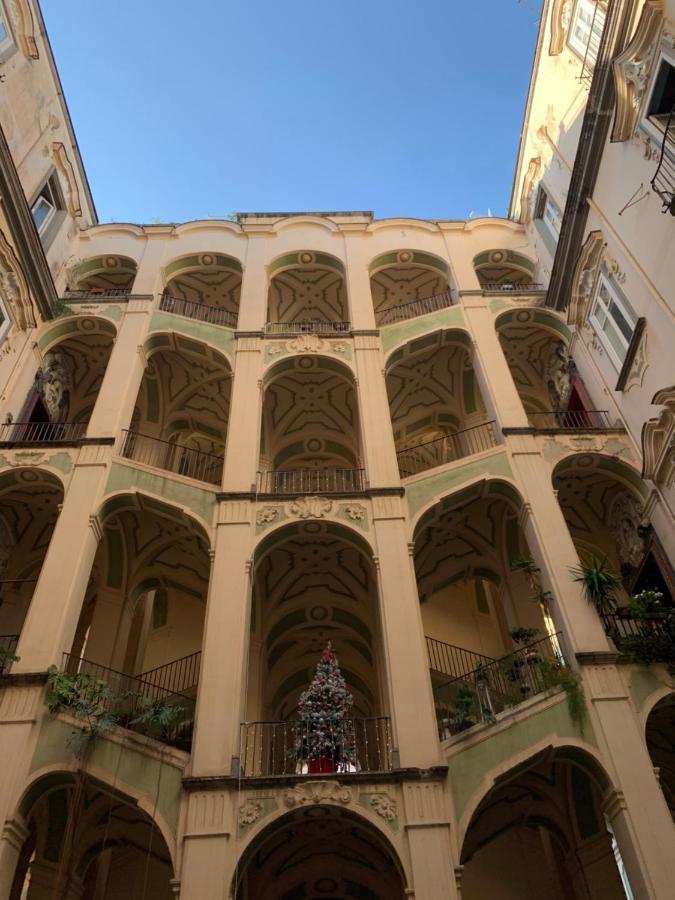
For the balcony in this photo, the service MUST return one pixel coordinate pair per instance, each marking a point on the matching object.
(43, 433)
(202, 312)
(646, 639)
(414, 309)
(130, 695)
(450, 661)
(663, 182)
(507, 287)
(180, 676)
(478, 696)
(97, 295)
(272, 749)
(312, 481)
(446, 449)
(273, 329)
(172, 457)
(572, 420)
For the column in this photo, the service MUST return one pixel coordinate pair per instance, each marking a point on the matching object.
(493, 365)
(222, 680)
(357, 254)
(431, 850)
(104, 628)
(253, 301)
(54, 611)
(117, 395)
(412, 703)
(378, 438)
(209, 849)
(243, 433)
(14, 834)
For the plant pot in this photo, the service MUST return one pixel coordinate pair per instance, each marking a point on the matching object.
(320, 765)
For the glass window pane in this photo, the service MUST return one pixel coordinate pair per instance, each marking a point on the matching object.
(42, 211)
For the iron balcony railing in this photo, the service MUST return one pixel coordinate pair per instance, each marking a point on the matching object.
(177, 677)
(452, 661)
(420, 457)
(129, 697)
(648, 638)
(308, 327)
(8, 643)
(42, 432)
(478, 696)
(172, 457)
(311, 481)
(97, 296)
(663, 182)
(498, 287)
(572, 419)
(413, 309)
(277, 748)
(214, 315)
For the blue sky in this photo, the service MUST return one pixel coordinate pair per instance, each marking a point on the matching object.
(185, 110)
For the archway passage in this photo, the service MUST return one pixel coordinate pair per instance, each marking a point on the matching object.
(408, 283)
(307, 293)
(319, 853)
(541, 832)
(87, 841)
(660, 737)
(204, 286)
(504, 270)
(29, 508)
(104, 276)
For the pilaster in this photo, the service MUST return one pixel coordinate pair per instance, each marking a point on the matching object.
(243, 433)
(253, 301)
(378, 438)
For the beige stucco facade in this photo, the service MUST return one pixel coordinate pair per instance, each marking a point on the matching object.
(227, 443)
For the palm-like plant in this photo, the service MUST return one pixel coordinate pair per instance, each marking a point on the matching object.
(599, 581)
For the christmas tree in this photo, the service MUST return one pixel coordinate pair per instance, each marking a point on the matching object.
(324, 736)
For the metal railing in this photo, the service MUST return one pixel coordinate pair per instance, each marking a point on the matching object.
(574, 419)
(478, 696)
(130, 694)
(172, 457)
(420, 457)
(96, 295)
(42, 432)
(648, 638)
(276, 748)
(311, 481)
(343, 328)
(8, 643)
(413, 309)
(214, 315)
(453, 661)
(663, 182)
(177, 677)
(498, 287)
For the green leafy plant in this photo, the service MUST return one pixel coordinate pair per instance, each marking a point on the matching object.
(554, 674)
(88, 698)
(524, 635)
(464, 706)
(7, 656)
(154, 716)
(60, 308)
(646, 603)
(600, 583)
(528, 567)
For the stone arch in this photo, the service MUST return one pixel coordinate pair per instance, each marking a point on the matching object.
(400, 277)
(206, 279)
(503, 267)
(136, 499)
(70, 326)
(307, 285)
(660, 739)
(106, 274)
(387, 870)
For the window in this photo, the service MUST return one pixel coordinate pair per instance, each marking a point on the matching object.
(588, 21)
(46, 208)
(662, 100)
(613, 320)
(548, 212)
(6, 41)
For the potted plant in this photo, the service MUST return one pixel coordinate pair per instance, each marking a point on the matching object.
(464, 705)
(600, 583)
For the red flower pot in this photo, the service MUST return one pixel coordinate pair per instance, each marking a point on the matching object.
(320, 765)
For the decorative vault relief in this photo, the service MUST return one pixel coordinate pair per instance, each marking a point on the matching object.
(385, 807)
(310, 507)
(317, 792)
(625, 518)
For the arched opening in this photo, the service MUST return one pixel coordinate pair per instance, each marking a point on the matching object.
(435, 403)
(142, 618)
(319, 851)
(182, 411)
(546, 378)
(660, 737)
(29, 507)
(408, 283)
(504, 271)
(102, 277)
(313, 583)
(311, 435)
(489, 633)
(602, 500)
(307, 293)
(204, 286)
(541, 832)
(61, 400)
(87, 840)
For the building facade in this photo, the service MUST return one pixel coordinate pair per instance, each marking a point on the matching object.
(445, 447)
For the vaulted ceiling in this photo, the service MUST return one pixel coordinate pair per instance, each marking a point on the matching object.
(400, 284)
(309, 291)
(211, 285)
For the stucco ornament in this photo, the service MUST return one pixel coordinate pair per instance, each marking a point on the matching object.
(558, 375)
(267, 514)
(625, 517)
(249, 813)
(306, 343)
(54, 383)
(384, 806)
(338, 347)
(317, 792)
(355, 512)
(311, 507)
